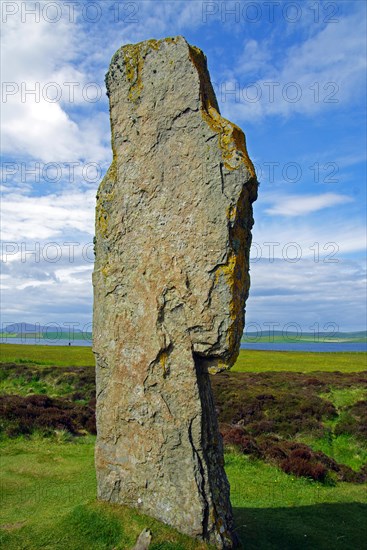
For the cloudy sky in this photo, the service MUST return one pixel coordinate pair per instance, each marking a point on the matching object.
(291, 74)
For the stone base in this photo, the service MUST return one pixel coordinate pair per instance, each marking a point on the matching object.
(163, 453)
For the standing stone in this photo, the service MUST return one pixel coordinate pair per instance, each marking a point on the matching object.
(173, 225)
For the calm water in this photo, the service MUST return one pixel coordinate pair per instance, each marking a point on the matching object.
(306, 346)
(45, 342)
(275, 346)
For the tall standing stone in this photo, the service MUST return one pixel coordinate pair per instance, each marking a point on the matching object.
(173, 223)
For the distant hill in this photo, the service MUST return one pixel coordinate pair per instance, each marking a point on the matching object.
(21, 330)
(28, 327)
(51, 331)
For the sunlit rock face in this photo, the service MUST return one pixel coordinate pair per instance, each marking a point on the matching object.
(173, 223)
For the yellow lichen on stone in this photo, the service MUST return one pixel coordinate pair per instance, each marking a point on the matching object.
(227, 271)
(231, 213)
(163, 362)
(218, 367)
(234, 273)
(102, 222)
(134, 56)
(106, 270)
(105, 198)
(112, 171)
(232, 141)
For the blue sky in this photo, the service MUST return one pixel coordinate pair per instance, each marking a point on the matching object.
(291, 74)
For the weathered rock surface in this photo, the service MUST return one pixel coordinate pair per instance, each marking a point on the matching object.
(144, 540)
(173, 225)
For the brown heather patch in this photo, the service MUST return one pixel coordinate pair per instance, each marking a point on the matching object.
(259, 413)
(262, 413)
(24, 415)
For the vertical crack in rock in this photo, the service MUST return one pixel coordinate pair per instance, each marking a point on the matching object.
(201, 483)
(173, 234)
(221, 175)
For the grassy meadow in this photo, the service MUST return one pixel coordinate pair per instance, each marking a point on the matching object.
(299, 361)
(48, 501)
(294, 428)
(77, 356)
(248, 360)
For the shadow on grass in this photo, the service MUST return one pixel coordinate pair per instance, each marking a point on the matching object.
(317, 527)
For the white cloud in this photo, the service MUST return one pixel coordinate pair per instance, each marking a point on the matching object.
(35, 55)
(43, 291)
(311, 235)
(325, 70)
(64, 298)
(299, 205)
(307, 292)
(256, 56)
(47, 217)
(37, 290)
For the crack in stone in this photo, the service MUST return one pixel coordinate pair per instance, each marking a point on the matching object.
(201, 486)
(221, 176)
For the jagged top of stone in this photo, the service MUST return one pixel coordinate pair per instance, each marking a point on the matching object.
(183, 171)
(128, 62)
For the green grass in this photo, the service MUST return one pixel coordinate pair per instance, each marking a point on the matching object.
(48, 501)
(344, 448)
(54, 381)
(21, 386)
(344, 397)
(78, 356)
(278, 489)
(248, 360)
(276, 511)
(298, 361)
(48, 484)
